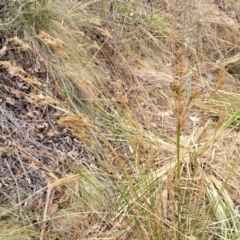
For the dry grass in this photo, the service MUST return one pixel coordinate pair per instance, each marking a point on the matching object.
(152, 90)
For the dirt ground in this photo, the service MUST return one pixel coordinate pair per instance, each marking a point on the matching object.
(34, 149)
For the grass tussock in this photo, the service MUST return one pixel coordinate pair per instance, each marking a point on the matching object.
(150, 93)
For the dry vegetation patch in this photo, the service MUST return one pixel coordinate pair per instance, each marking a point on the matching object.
(119, 119)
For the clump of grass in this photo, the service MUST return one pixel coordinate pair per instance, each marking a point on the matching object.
(166, 175)
(32, 14)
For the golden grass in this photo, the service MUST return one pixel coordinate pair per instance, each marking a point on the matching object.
(150, 94)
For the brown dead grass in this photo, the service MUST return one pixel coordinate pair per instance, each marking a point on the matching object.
(116, 75)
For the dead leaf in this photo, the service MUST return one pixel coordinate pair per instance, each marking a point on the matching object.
(3, 51)
(30, 114)
(118, 225)
(41, 126)
(50, 133)
(194, 119)
(40, 136)
(10, 101)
